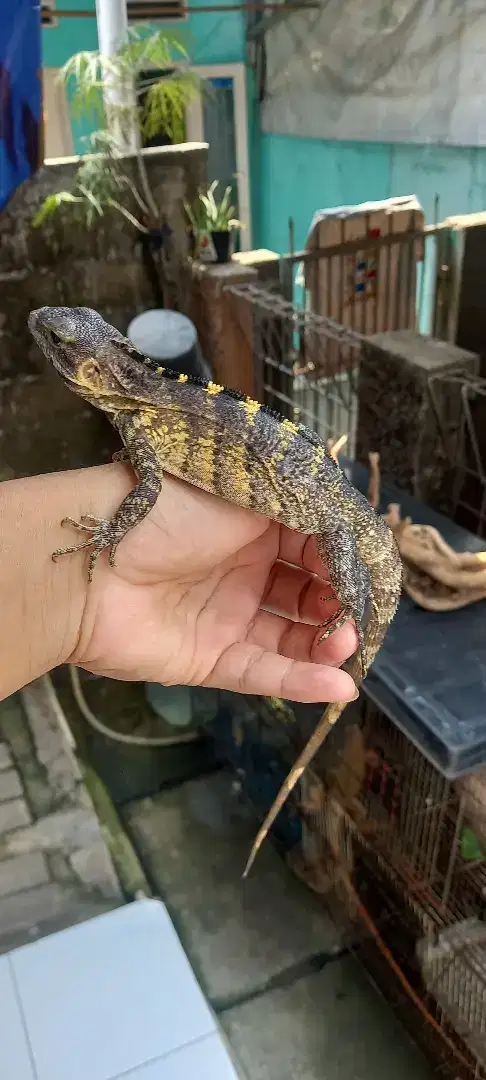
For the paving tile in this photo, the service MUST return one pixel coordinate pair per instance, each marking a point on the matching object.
(109, 995)
(328, 1026)
(238, 934)
(54, 901)
(5, 757)
(15, 1058)
(22, 872)
(10, 785)
(14, 814)
(74, 912)
(206, 1059)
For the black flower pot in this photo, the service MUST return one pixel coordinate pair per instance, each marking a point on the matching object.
(221, 241)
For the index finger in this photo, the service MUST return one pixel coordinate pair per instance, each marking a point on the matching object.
(300, 549)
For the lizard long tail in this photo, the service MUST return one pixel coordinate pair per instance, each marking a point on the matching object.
(386, 580)
(327, 721)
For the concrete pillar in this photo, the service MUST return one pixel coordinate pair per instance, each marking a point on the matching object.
(396, 414)
(225, 324)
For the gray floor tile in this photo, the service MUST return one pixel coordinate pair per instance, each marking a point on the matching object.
(206, 1059)
(107, 996)
(238, 934)
(329, 1026)
(15, 1060)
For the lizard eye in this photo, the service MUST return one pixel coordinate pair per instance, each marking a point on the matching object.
(55, 338)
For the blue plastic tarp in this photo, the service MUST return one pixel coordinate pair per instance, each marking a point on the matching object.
(20, 93)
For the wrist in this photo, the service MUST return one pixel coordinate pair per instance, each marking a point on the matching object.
(43, 601)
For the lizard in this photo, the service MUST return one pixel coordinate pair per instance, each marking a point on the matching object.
(223, 442)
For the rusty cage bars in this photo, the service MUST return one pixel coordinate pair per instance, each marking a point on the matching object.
(426, 897)
(420, 887)
(306, 361)
(459, 405)
(424, 278)
(306, 366)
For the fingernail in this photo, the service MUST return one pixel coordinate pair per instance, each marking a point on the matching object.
(353, 695)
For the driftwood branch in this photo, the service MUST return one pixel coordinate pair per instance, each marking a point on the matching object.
(435, 576)
(335, 447)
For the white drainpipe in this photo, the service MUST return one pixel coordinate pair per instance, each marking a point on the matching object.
(112, 21)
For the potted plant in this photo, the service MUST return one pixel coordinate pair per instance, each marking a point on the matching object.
(213, 219)
(105, 180)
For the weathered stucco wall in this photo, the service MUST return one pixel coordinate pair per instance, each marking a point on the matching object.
(64, 263)
(42, 426)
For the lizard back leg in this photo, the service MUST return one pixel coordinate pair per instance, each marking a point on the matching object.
(350, 579)
(333, 623)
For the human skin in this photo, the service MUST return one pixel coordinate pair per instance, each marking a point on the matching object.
(185, 602)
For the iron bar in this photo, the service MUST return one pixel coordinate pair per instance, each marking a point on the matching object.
(364, 243)
(168, 11)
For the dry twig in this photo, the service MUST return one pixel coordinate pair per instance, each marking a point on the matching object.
(435, 576)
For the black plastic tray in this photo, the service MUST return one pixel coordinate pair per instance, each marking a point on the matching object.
(430, 675)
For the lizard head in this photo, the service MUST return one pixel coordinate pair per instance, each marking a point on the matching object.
(94, 359)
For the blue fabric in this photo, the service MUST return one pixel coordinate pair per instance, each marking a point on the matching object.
(20, 93)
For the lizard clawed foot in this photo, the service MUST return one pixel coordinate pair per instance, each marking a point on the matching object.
(333, 623)
(100, 539)
(120, 455)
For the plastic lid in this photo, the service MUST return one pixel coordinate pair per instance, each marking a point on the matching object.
(163, 335)
(430, 674)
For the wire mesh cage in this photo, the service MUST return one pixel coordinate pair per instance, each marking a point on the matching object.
(396, 850)
(459, 402)
(306, 366)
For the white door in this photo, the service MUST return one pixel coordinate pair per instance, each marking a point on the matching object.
(220, 119)
(58, 139)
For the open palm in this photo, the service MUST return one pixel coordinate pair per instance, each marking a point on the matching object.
(186, 604)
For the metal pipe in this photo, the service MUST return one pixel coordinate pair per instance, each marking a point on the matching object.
(365, 243)
(157, 14)
(112, 23)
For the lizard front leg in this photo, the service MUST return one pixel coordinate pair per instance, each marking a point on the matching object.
(106, 533)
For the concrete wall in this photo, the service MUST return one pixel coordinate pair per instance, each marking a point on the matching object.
(64, 263)
(298, 176)
(42, 426)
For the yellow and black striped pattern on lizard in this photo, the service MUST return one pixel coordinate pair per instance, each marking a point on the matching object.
(226, 444)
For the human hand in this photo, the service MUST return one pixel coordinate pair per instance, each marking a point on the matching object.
(185, 602)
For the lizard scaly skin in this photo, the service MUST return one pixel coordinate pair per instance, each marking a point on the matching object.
(221, 441)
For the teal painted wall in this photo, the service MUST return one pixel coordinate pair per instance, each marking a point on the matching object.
(208, 37)
(298, 176)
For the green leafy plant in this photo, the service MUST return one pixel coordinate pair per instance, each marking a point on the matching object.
(160, 100)
(100, 183)
(149, 104)
(207, 215)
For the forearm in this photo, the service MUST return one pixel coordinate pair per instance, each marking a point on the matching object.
(41, 601)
